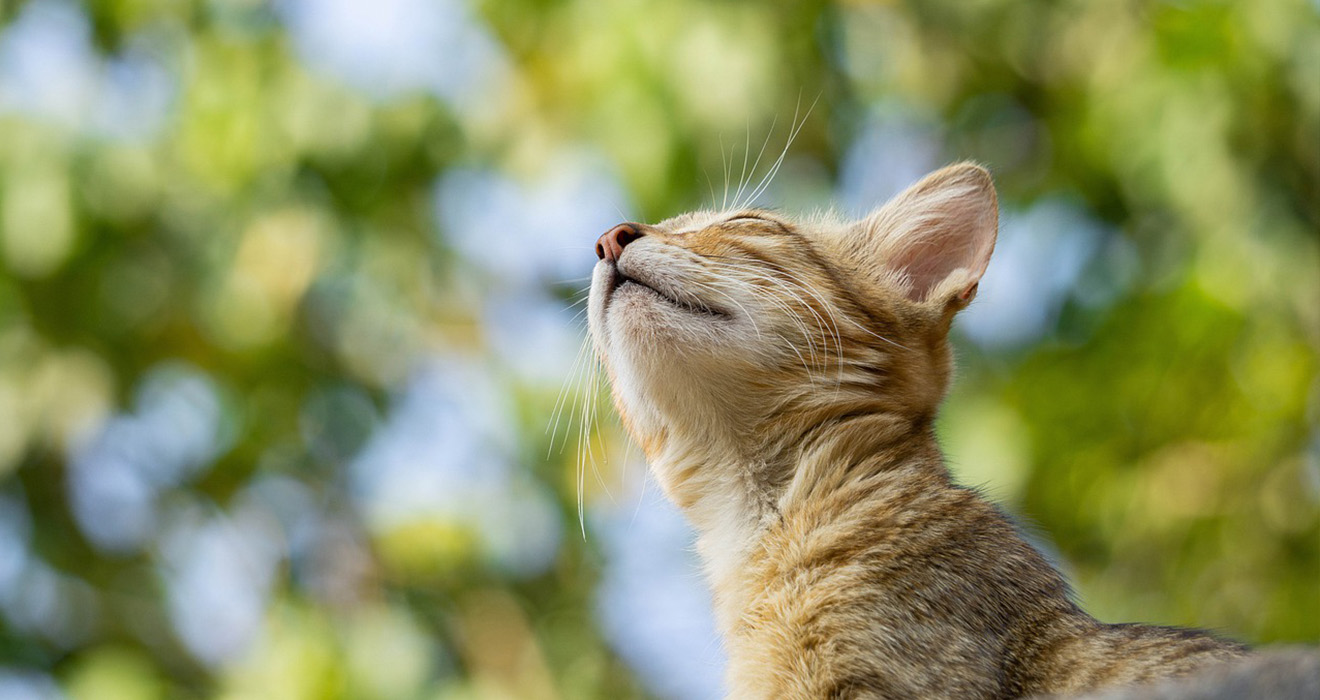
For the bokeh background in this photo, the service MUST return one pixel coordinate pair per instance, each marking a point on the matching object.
(290, 291)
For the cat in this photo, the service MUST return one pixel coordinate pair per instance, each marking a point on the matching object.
(782, 377)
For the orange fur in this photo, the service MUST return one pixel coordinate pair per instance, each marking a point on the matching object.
(783, 378)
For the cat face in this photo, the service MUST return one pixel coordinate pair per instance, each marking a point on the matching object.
(727, 333)
(697, 316)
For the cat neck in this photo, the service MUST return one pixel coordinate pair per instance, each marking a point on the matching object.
(741, 496)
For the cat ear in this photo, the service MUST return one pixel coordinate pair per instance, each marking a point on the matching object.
(936, 237)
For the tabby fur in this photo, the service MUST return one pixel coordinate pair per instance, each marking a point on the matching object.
(782, 377)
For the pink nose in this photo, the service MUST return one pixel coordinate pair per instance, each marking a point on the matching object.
(610, 246)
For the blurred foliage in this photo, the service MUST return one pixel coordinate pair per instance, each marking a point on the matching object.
(244, 245)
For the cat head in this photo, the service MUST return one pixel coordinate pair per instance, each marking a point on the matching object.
(730, 336)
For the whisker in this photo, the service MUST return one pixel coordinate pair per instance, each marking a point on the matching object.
(600, 440)
(710, 185)
(561, 400)
(583, 450)
(581, 313)
(765, 295)
(707, 287)
(792, 316)
(747, 148)
(774, 169)
(783, 285)
(724, 165)
(798, 283)
(641, 496)
(806, 286)
(764, 144)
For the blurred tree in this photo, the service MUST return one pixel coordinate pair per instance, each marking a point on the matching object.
(287, 294)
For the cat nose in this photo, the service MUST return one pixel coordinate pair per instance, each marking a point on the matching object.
(610, 246)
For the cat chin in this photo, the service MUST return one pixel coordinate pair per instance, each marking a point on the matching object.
(675, 367)
(635, 310)
(628, 280)
(631, 286)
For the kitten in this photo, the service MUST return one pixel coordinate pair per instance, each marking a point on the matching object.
(782, 377)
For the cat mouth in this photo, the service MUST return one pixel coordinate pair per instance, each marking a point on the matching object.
(623, 283)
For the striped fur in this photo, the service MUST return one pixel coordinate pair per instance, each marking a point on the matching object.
(782, 378)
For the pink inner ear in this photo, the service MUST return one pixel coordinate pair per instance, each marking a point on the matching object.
(946, 244)
(943, 224)
(927, 263)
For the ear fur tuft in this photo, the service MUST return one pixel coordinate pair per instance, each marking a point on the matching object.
(937, 236)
